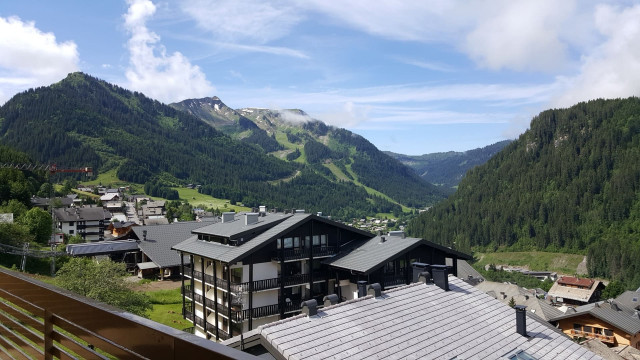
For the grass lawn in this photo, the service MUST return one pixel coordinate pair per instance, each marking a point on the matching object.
(535, 260)
(202, 200)
(167, 308)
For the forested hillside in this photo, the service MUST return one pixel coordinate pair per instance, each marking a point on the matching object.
(570, 183)
(82, 121)
(446, 169)
(336, 154)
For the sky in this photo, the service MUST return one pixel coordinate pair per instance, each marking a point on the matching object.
(412, 77)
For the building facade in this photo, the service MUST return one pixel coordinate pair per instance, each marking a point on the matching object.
(88, 222)
(257, 268)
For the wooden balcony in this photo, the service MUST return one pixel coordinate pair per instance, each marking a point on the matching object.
(41, 321)
(258, 285)
(303, 253)
(589, 335)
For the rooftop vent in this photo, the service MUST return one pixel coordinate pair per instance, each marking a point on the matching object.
(420, 268)
(263, 209)
(382, 239)
(440, 276)
(615, 306)
(330, 300)
(424, 277)
(251, 218)
(309, 307)
(228, 217)
(299, 211)
(397, 233)
(375, 290)
(319, 213)
(362, 288)
(144, 235)
(521, 320)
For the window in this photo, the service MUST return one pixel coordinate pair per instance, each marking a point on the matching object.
(577, 327)
(587, 329)
(608, 332)
(70, 232)
(70, 223)
(520, 355)
(288, 243)
(323, 240)
(278, 243)
(316, 240)
(296, 242)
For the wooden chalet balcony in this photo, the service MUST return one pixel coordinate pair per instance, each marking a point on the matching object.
(211, 328)
(589, 335)
(303, 253)
(38, 321)
(258, 285)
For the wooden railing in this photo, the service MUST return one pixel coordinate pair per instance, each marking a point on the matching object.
(604, 338)
(303, 253)
(38, 321)
(258, 285)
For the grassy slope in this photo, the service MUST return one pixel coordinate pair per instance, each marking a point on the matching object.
(535, 260)
(167, 308)
(202, 200)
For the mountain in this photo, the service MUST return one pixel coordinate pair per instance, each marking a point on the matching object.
(569, 183)
(83, 121)
(446, 169)
(336, 154)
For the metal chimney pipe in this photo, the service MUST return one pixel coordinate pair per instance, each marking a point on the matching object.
(521, 320)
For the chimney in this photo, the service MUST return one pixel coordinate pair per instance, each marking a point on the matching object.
(251, 218)
(382, 239)
(144, 235)
(330, 300)
(362, 288)
(375, 290)
(310, 307)
(521, 320)
(397, 233)
(615, 306)
(420, 268)
(319, 214)
(228, 217)
(299, 211)
(263, 209)
(440, 275)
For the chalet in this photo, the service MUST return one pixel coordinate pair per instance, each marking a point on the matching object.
(88, 222)
(255, 268)
(630, 299)
(575, 291)
(446, 320)
(119, 229)
(608, 321)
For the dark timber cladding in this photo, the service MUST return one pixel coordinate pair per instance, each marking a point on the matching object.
(298, 257)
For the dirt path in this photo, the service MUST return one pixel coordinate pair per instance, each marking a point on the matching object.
(582, 267)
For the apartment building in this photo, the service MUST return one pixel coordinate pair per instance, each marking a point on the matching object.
(255, 268)
(88, 222)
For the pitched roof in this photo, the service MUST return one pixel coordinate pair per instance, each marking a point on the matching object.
(101, 247)
(623, 318)
(368, 255)
(415, 321)
(570, 280)
(230, 253)
(565, 292)
(160, 239)
(503, 292)
(82, 214)
(630, 299)
(466, 271)
(238, 226)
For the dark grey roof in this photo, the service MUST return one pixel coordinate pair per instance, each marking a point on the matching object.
(237, 226)
(630, 299)
(465, 270)
(372, 253)
(38, 201)
(417, 321)
(229, 253)
(82, 214)
(101, 247)
(160, 239)
(366, 256)
(625, 319)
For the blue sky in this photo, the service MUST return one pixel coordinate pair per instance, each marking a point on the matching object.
(413, 77)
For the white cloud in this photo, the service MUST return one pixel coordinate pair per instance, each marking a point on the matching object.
(613, 68)
(275, 50)
(255, 21)
(294, 117)
(434, 66)
(520, 35)
(152, 71)
(31, 58)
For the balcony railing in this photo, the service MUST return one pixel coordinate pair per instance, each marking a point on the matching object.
(41, 321)
(394, 280)
(589, 335)
(303, 253)
(258, 285)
